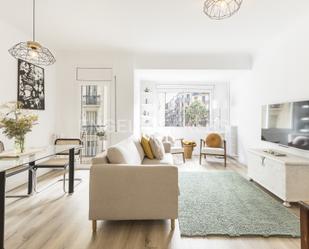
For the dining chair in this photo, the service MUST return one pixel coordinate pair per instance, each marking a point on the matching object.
(59, 162)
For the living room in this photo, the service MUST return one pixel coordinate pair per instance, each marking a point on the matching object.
(215, 91)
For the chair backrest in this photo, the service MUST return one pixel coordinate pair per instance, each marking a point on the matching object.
(69, 141)
(1, 147)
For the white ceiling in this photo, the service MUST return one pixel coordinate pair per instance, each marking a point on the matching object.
(171, 26)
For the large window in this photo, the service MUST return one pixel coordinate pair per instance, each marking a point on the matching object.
(183, 108)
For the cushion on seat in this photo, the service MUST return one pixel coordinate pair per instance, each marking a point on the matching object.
(169, 139)
(177, 150)
(139, 147)
(54, 162)
(157, 147)
(124, 152)
(213, 140)
(213, 151)
(167, 160)
(100, 158)
(145, 141)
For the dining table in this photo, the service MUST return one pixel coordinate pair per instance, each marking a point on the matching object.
(12, 163)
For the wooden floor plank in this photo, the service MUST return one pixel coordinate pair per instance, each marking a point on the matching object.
(53, 220)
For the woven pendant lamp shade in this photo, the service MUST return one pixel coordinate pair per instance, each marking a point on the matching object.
(221, 9)
(32, 51)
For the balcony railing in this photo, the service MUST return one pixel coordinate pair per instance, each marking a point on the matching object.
(91, 100)
(92, 143)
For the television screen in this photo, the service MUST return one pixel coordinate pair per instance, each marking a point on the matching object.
(286, 124)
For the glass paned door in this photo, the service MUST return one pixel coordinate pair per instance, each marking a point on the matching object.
(92, 119)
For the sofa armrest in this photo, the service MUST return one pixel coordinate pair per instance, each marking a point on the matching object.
(100, 158)
(167, 147)
(124, 192)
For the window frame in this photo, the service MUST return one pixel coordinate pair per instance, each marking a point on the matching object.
(178, 88)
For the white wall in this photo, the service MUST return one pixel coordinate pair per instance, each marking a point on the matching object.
(124, 65)
(279, 74)
(220, 118)
(42, 133)
(68, 98)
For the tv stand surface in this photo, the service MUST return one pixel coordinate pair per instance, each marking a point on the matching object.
(274, 152)
(285, 176)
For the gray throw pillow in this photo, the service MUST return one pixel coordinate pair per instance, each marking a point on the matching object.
(157, 147)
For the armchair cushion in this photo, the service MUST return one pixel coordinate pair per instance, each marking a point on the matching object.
(177, 150)
(213, 151)
(167, 147)
(213, 140)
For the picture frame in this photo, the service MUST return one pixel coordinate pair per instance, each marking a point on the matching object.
(30, 86)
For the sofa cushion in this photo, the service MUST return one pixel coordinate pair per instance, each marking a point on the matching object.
(139, 147)
(100, 158)
(146, 146)
(124, 152)
(167, 160)
(157, 147)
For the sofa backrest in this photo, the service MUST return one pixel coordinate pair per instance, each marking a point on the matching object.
(128, 151)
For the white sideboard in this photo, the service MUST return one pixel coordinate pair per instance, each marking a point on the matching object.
(285, 176)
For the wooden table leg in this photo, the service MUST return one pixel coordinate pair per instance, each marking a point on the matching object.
(304, 225)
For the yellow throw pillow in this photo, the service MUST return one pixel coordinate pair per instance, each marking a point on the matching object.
(145, 141)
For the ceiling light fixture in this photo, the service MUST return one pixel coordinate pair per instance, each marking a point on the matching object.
(221, 9)
(32, 51)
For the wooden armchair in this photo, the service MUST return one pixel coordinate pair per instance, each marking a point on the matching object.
(213, 145)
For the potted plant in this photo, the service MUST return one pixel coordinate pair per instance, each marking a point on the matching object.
(101, 135)
(16, 123)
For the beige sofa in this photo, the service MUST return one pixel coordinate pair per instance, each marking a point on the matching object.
(125, 185)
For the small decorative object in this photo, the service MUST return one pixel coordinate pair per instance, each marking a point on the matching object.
(16, 123)
(101, 134)
(32, 51)
(188, 148)
(221, 9)
(31, 89)
(147, 90)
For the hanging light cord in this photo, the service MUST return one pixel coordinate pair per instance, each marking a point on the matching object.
(33, 21)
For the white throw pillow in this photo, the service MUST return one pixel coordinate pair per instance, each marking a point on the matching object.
(124, 152)
(157, 147)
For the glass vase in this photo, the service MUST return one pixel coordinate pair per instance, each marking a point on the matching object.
(20, 144)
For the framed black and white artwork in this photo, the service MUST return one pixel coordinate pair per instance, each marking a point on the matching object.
(31, 88)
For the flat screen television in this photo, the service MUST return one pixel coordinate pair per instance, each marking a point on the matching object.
(286, 124)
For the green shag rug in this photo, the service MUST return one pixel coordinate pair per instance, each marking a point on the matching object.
(224, 203)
